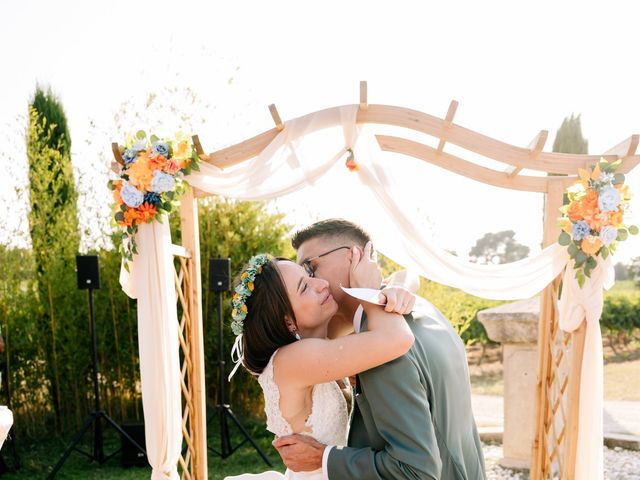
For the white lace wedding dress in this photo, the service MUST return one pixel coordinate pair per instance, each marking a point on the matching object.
(328, 422)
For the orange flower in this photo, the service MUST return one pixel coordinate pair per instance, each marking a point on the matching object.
(140, 173)
(130, 217)
(173, 166)
(157, 162)
(615, 218)
(590, 245)
(146, 212)
(590, 200)
(575, 211)
(596, 219)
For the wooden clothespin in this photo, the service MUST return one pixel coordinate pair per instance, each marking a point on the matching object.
(448, 121)
(276, 116)
(363, 95)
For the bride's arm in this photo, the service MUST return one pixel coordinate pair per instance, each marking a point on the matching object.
(312, 361)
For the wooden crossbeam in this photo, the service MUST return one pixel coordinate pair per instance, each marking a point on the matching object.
(468, 169)
(363, 95)
(276, 117)
(448, 121)
(565, 163)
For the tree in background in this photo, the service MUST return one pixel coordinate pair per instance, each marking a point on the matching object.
(499, 247)
(53, 227)
(634, 270)
(569, 137)
(622, 271)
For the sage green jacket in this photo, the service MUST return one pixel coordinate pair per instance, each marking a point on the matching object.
(412, 416)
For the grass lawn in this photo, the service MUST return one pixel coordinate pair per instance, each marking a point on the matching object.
(38, 458)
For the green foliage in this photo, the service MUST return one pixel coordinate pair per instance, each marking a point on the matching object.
(569, 137)
(620, 316)
(55, 240)
(460, 308)
(634, 270)
(499, 247)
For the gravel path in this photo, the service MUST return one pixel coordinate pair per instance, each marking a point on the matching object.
(619, 464)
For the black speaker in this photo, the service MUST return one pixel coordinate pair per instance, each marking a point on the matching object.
(131, 456)
(219, 274)
(88, 272)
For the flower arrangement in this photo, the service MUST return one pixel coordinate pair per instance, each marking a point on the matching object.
(244, 289)
(150, 182)
(593, 221)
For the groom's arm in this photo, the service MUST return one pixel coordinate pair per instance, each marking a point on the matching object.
(401, 413)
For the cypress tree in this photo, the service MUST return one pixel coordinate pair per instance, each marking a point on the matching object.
(569, 137)
(55, 240)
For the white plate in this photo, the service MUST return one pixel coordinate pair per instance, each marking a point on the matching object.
(369, 295)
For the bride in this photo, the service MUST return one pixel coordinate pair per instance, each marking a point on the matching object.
(281, 316)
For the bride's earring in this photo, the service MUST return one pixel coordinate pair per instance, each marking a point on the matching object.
(297, 335)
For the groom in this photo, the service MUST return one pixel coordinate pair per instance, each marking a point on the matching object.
(412, 418)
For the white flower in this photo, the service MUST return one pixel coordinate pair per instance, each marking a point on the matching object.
(162, 182)
(131, 195)
(608, 234)
(609, 199)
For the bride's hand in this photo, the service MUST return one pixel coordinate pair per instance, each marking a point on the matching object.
(364, 272)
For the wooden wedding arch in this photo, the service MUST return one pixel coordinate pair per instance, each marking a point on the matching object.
(559, 354)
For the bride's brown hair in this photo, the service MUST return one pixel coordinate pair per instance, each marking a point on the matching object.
(265, 329)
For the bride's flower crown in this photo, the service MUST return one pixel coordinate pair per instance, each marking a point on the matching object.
(244, 289)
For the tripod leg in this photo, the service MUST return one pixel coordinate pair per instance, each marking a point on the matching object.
(227, 411)
(112, 422)
(72, 445)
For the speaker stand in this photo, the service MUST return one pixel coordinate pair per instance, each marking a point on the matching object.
(95, 417)
(224, 411)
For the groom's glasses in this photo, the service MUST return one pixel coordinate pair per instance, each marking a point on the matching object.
(307, 263)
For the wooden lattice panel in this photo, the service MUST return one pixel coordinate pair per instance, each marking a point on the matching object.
(183, 289)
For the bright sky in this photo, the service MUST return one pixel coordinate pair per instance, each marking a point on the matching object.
(515, 68)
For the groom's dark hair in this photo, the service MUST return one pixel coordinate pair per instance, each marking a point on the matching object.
(264, 329)
(333, 227)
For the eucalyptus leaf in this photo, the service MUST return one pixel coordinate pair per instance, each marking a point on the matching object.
(618, 178)
(622, 234)
(572, 249)
(633, 230)
(141, 135)
(604, 252)
(591, 262)
(564, 239)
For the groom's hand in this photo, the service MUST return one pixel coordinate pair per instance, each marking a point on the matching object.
(300, 453)
(364, 271)
(397, 300)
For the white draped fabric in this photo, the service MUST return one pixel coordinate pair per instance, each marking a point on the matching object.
(309, 154)
(151, 281)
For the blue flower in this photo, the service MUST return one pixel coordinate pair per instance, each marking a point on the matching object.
(160, 148)
(162, 182)
(129, 156)
(152, 198)
(580, 230)
(609, 199)
(131, 195)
